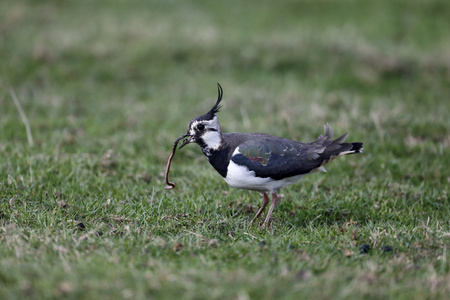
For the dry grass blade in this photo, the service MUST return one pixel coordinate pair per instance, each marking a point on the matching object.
(22, 115)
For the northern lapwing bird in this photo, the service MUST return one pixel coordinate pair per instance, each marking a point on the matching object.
(262, 162)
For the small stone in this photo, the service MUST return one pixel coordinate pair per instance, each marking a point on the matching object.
(213, 243)
(348, 253)
(178, 247)
(304, 275)
(65, 287)
(364, 249)
(386, 248)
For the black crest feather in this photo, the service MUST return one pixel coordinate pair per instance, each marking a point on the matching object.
(217, 106)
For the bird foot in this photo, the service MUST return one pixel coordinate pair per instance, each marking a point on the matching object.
(260, 227)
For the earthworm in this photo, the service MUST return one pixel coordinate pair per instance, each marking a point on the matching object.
(171, 185)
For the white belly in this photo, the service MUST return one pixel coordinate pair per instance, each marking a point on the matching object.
(242, 178)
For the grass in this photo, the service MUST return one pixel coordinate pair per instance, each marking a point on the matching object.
(107, 88)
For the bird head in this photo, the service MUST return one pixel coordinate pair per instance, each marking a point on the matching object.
(205, 129)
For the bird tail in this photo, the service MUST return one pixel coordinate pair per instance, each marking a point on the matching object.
(338, 147)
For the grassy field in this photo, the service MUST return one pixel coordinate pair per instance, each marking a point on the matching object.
(106, 87)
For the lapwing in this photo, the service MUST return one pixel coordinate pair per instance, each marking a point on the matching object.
(262, 162)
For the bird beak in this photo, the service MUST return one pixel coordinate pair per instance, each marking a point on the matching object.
(187, 141)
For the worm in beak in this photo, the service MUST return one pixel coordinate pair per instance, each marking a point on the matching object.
(171, 185)
(187, 141)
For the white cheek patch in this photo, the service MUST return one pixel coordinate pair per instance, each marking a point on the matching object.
(212, 139)
(211, 136)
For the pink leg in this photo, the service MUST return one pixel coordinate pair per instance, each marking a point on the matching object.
(265, 202)
(272, 207)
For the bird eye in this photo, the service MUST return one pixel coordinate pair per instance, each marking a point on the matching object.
(200, 126)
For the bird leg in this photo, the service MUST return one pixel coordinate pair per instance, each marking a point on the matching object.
(265, 202)
(272, 207)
